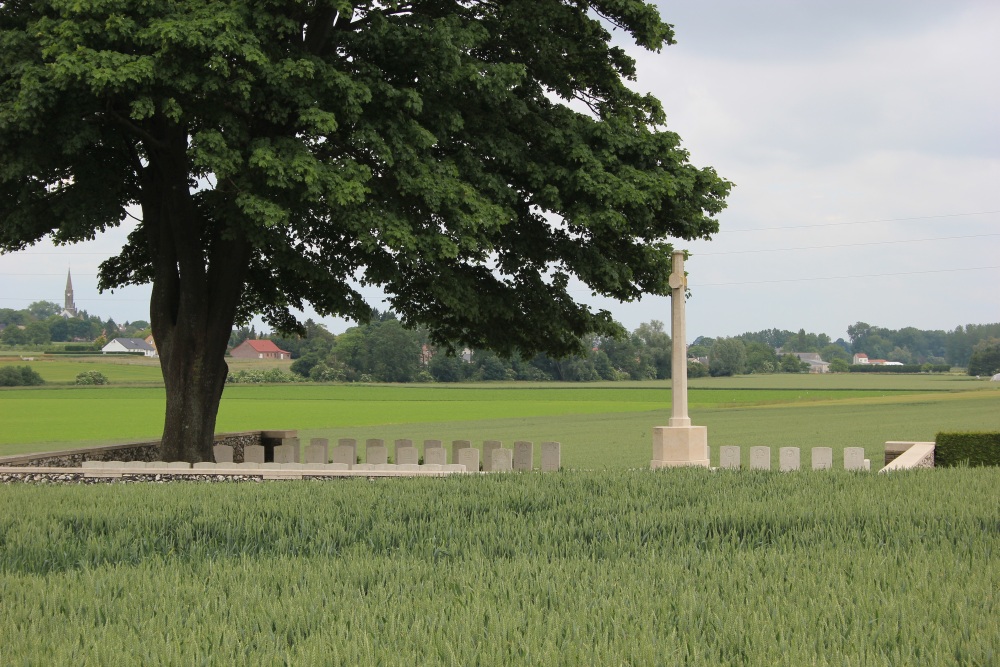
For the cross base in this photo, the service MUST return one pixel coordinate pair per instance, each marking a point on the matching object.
(675, 446)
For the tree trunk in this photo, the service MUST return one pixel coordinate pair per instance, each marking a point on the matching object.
(198, 279)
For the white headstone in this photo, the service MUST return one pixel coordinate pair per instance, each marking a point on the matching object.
(407, 455)
(344, 454)
(286, 454)
(760, 458)
(403, 442)
(854, 458)
(469, 457)
(377, 454)
(524, 455)
(789, 459)
(822, 458)
(253, 454)
(318, 451)
(730, 457)
(223, 453)
(435, 456)
(353, 444)
(502, 459)
(456, 447)
(551, 457)
(488, 447)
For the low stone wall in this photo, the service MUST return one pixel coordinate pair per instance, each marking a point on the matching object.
(915, 455)
(130, 451)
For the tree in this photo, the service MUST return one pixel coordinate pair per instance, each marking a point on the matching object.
(468, 157)
(792, 364)
(985, 359)
(760, 358)
(728, 357)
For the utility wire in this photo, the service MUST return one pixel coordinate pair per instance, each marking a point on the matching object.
(840, 245)
(867, 275)
(857, 222)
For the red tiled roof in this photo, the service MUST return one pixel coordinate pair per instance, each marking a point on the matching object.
(264, 346)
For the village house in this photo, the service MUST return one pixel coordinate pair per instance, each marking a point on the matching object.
(259, 349)
(129, 346)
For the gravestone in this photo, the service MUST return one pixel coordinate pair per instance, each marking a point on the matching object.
(377, 454)
(435, 456)
(854, 458)
(524, 455)
(469, 457)
(551, 458)
(456, 447)
(407, 455)
(253, 454)
(730, 457)
(353, 444)
(789, 459)
(432, 444)
(488, 447)
(223, 453)
(286, 453)
(502, 459)
(344, 454)
(318, 451)
(396, 445)
(760, 458)
(822, 458)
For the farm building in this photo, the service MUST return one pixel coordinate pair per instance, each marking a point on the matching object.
(259, 349)
(129, 345)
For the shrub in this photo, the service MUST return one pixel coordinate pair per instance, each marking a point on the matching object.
(91, 378)
(972, 449)
(261, 376)
(19, 376)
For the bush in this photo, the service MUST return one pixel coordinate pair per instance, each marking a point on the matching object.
(696, 369)
(91, 378)
(261, 376)
(972, 449)
(19, 376)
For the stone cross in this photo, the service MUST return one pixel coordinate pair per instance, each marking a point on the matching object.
(678, 362)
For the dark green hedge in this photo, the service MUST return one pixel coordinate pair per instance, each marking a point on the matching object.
(973, 449)
(906, 368)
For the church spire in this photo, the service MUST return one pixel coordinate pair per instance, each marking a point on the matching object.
(69, 308)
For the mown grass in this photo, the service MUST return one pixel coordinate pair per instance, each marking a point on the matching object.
(600, 425)
(597, 568)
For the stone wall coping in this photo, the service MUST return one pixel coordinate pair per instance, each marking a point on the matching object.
(915, 456)
(14, 459)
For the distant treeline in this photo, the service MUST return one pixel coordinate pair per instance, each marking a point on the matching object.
(41, 324)
(386, 351)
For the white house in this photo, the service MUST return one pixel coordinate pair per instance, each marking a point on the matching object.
(132, 345)
(860, 358)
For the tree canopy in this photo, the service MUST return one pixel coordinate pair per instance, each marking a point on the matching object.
(467, 157)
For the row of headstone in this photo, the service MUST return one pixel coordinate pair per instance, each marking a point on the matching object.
(494, 457)
(789, 458)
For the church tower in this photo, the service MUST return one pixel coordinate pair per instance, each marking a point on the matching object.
(69, 308)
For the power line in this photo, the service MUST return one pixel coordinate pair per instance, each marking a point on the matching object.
(822, 247)
(868, 275)
(857, 222)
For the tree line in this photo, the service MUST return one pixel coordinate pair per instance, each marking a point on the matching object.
(41, 324)
(384, 350)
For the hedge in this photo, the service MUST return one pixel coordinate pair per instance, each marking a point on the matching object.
(906, 368)
(973, 449)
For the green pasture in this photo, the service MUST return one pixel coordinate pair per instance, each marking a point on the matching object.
(600, 425)
(681, 567)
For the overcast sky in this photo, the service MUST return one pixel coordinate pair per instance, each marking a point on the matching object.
(864, 144)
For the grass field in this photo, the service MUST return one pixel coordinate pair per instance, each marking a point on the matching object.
(600, 425)
(578, 568)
